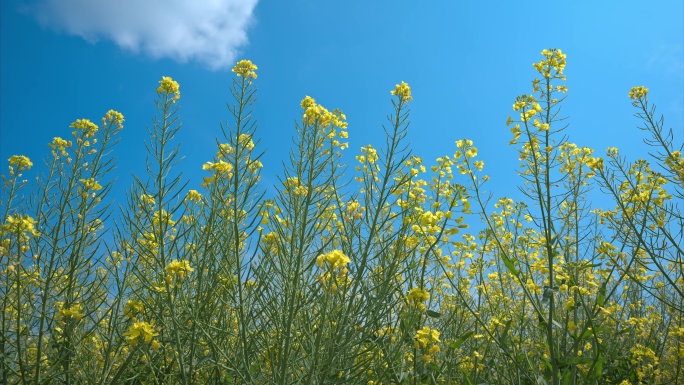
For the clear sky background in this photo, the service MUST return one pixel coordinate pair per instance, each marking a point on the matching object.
(466, 61)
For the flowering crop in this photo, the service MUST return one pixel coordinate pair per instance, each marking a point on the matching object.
(372, 278)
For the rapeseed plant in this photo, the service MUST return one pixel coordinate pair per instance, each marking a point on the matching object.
(371, 278)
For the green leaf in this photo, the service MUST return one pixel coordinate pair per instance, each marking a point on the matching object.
(599, 367)
(509, 265)
(602, 295)
(456, 344)
(507, 327)
(433, 314)
(566, 377)
(503, 337)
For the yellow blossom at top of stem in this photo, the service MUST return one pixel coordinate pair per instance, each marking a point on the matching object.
(89, 128)
(180, 268)
(638, 92)
(21, 162)
(140, 330)
(308, 101)
(221, 167)
(60, 145)
(595, 163)
(170, 87)
(335, 258)
(246, 141)
(148, 199)
(133, 307)
(90, 184)
(427, 335)
(21, 224)
(570, 303)
(418, 295)
(115, 117)
(193, 196)
(245, 69)
(553, 59)
(72, 313)
(403, 91)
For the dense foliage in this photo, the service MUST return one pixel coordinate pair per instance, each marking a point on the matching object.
(363, 274)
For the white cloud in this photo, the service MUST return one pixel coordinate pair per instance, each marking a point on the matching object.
(208, 31)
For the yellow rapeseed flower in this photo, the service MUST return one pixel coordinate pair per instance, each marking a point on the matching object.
(90, 184)
(180, 268)
(170, 86)
(426, 336)
(308, 102)
(133, 307)
(86, 126)
(403, 91)
(23, 225)
(115, 117)
(193, 196)
(140, 330)
(245, 69)
(638, 92)
(418, 295)
(21, 162)
(70, 313)
(570, 303)
(336, 258)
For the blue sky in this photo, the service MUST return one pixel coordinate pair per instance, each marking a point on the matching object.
(466, 61)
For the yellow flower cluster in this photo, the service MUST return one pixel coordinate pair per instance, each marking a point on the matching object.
(427, 340)
(403, 91)
(179, 268)
(529, 106)
(595, 163)
(294, 186)
(193, 196)
(90, 184)
(553, 59)
(220, 168)
(140, 331)
(70, 313)
(430, 223)
(245, 69)
(23, 225)
(60, 145)
(115, 117)
(317, 114)
(132, 308)
(371, 155)
(355, 209)
(569, 303)
(86, 126)
(417, 297)
(170, 87)
(162, 218)
(541, 126)
(246, 141)
(21, 162)
(638, 92)
(675, 162)
(336, 259)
